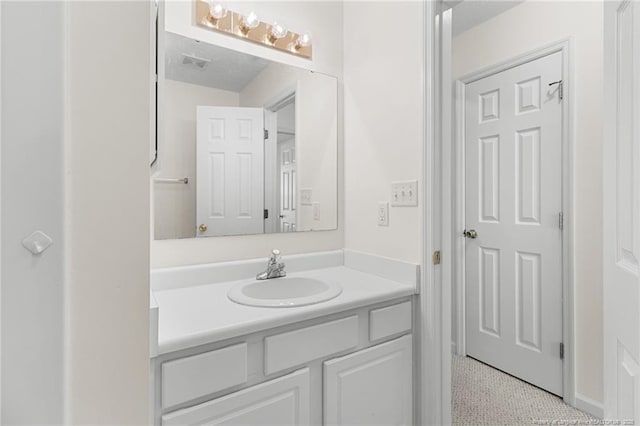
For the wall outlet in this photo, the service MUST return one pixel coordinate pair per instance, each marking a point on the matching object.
(404, 193)
(383, 214)
(306, 195)
(316, 211)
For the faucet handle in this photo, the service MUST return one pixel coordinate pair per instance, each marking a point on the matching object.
(275, 257)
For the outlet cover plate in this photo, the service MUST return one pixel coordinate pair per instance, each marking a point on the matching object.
(306, 196)
(383, 214)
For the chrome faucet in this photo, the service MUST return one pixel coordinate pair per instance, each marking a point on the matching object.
(275, 267)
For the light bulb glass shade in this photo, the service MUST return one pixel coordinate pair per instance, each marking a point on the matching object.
(304, 40)
(278, 30)
(217, 9)
(250, 21)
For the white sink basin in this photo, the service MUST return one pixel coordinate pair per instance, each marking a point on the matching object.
(284, 292)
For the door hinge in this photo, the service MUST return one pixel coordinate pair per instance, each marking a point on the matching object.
(560, 88)
(561, 221)
(436, 257)
(266, 213)
(561, 350)
(266, 134)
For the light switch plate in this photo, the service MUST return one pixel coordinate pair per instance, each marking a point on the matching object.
(404, 193)
(316, 211)
(306, 195)
(383, 214)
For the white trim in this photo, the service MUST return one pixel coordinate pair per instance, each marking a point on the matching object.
(589, 405)
(459, 212)
(434, 336)
(0, 214)
(565, 47)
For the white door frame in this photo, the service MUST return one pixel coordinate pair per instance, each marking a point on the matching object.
(276, 103)
(458, 191)
(433, 340)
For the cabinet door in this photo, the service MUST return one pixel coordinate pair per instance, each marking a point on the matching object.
(282, 401)
(370, 387)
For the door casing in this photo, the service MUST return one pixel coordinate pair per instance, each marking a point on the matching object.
(459, 192)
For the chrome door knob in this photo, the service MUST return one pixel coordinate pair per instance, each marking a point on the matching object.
(470, 233)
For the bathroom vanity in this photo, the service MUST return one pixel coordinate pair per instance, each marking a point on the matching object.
(347, 360)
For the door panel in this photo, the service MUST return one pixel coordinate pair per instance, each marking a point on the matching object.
(622, 211)
(370, 387)
(513, 160)
(288, 168)
(230, 171)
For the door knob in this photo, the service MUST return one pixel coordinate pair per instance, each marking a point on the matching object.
(202, 228)
(470, 233)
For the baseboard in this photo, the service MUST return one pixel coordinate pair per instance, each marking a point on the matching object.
(589, 406)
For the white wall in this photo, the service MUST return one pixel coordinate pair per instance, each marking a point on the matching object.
(174, 207)
(519, 30)
(383, 79)
(108, 90)
(32, 199)
(324, 20)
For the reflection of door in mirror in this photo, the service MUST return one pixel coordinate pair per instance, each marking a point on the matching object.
(287, 165)
(230, 162)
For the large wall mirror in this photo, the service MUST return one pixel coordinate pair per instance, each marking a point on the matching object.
(245, 145)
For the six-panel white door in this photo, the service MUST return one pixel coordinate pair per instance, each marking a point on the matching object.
(513, 143)
(230, 171)
(288, 176)
(621, 289)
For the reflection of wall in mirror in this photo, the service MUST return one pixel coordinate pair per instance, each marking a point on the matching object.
(316, 148)
(175, 205)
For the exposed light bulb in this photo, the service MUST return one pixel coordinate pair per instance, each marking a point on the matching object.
(304, 40)
(217, 10)
(278, 30)
(249, 22)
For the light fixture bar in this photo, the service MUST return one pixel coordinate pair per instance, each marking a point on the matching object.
(233, 24)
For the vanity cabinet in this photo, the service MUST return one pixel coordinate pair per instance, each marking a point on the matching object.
(350, 368)
(371, 386)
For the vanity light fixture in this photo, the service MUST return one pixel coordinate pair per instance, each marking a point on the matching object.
(215, 16)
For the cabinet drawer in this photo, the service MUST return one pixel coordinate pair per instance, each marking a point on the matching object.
(385, 322)
(282, 401)
(297, 347)
(199, 375)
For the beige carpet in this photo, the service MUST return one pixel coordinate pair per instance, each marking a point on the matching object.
(485, 396)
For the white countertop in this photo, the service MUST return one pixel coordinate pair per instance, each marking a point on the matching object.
(197, 315)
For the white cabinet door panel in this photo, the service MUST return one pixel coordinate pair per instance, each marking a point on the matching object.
(370, 387)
